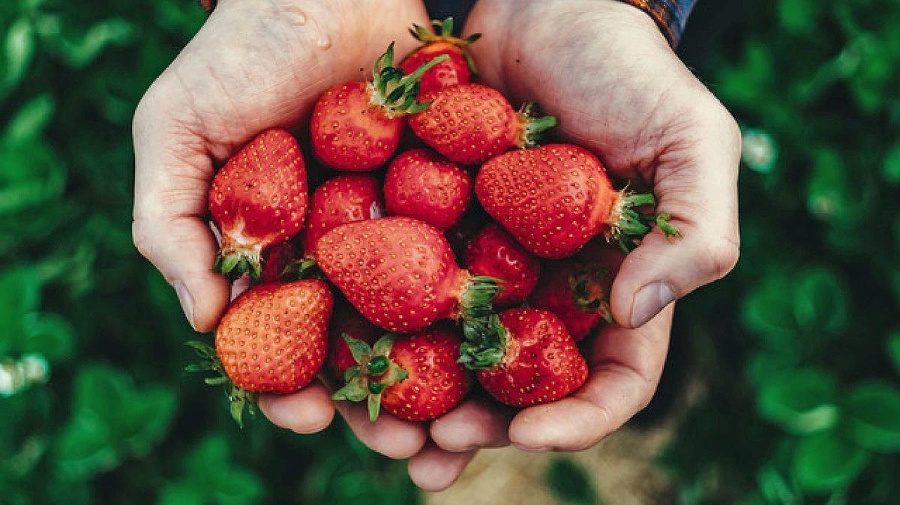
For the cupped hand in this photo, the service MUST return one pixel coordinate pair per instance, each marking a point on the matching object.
(606, 72)
(255, 65)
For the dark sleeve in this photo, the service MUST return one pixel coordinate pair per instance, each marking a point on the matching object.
(670, 15)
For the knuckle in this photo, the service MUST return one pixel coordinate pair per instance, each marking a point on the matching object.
(722, 255)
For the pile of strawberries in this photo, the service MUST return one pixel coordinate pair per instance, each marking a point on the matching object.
(446, 246)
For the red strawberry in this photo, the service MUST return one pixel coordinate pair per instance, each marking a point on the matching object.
(272, 338)
(422, 184)
(357, 125)
(531, 359)
(577, 289)
(493, 252)
(258, 199)
(342, 199)
(401, 274)
(469, 123)
(346, 320)
(554, 198)
(279, 258)
(415, 377)
(458, 69)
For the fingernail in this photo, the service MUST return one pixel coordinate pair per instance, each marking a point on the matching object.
(186, 301)
(649, 300)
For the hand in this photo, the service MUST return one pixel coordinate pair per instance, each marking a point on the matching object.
(255, 65)
(606, 72)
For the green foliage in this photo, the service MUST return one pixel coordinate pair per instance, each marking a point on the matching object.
(805, 366)
(95, 405)
(570, 483)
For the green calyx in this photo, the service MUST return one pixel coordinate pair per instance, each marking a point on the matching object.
(484, 337)
(535, 127)
(303, 268)
(393, 89)
(373, 373)
(233, 263)
(443, 32)
(238, 398)
(628, 224)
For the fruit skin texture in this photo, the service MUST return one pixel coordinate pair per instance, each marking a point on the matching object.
(342, 199)
(422, 184)
(494, 252)
(553, 198)
(351, 133)
(257, 199)
(273, 337)
(468, 123)
(577, 288)
(540, 361)
(399, 272)
(436, 383)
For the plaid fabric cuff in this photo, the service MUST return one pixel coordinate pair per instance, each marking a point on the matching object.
(670, 15)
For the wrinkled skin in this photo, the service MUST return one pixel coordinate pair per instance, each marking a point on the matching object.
(600, 66)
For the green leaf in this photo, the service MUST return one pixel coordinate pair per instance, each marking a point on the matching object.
(86, 446)
(834, 194)
(18, 53)
(767, 311)
(893, 349)
(570, 483)
(19, 296)
(49, 335)
(890, 168)
(820, 301)
(802, 402)
(873, 409)
(30, 119)
(826, 462)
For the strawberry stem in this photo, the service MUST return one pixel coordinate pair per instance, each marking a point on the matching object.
(443, 32)
(484, 345)
(238, 398)
(233, 263)
(535, 127)
(394, 90)
(373, 374)
(628, 225)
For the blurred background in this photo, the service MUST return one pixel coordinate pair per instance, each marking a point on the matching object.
(783, 383)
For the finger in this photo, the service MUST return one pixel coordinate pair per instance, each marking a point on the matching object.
(172, 174)
(695, 183)
(626, 365)
(434, 469)
(473, 424)
(392, 437)
(309, 410)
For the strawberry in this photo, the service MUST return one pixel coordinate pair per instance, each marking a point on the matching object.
(357, 125)
(346, 320)
(530, 359)
(279, 259)
(493, 252)
(458, 69)
(577, 288)
(469, 123)
(400, 273)
(272, 338)
(342, 199)
(415, 377)
(422, 184)
(554, 198)
(258, 199)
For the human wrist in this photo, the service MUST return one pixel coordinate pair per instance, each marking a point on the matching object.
(670, 15)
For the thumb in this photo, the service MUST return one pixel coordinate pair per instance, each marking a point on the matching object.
(696, 183)
(172, 174)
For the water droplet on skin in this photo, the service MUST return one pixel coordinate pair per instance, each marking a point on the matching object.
(324, 42)
(298, 17)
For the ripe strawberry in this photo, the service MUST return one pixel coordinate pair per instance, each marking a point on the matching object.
(458, 69)
(346, 320)
(415, 377)
(258, 199)
(577, 288)
(531, 358)
(400, 273)
(422, 184)
(357, 125)
(279, 259)
(493, 252)
(272, 338)
(554, 198)
(469, 123)
(342, 199)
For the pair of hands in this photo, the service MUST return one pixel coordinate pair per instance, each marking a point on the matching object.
(600, 66)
